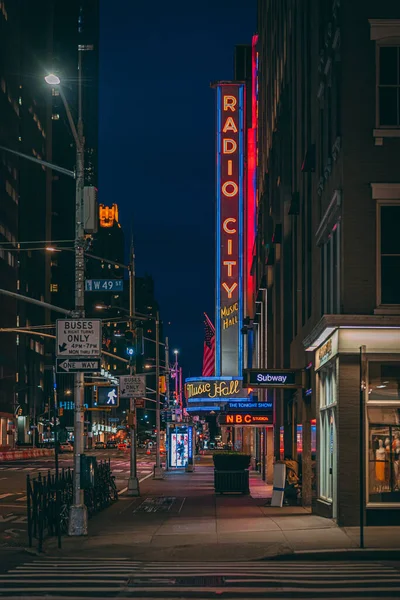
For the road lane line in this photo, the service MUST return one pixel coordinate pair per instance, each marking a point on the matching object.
(147, 476)
(5, 495)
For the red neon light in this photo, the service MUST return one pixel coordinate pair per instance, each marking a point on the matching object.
(251, 180)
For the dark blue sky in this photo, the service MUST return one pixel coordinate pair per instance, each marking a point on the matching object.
(157, 60)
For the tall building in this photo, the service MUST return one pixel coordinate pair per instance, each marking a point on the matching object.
(37, 206)
(9, 196)
(327, 249)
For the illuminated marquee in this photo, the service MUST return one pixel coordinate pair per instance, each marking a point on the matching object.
(210, 389)
(229, 267)
(246, 419)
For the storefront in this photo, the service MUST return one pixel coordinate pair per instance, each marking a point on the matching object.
(341, 391)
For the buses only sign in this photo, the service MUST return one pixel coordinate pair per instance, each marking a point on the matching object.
(78, 337)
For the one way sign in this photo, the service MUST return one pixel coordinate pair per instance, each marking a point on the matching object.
(77, 366)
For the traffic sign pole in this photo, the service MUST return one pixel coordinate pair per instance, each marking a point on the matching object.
(133, 481)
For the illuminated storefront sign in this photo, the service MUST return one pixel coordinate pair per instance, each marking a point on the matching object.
(229, 259)
(211, 388)
(246, 419)
(272, 378)
(236, 404)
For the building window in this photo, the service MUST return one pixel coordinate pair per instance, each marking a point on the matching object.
(55, 116)
(383, 442)
(54, 287)
(330, 272)
(389, 86)
(327, 464)
(388, 254)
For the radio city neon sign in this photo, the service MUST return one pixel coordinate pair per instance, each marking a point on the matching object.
(229, 193)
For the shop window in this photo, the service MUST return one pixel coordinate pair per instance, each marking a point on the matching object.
(384, 381)
(383, 442)
(384, 454)
(327, 463)
(389, 254)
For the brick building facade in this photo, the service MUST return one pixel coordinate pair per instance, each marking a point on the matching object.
(327, 251)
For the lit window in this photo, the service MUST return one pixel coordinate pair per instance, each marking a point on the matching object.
(55, 92)
(55, 116)
(54, 287)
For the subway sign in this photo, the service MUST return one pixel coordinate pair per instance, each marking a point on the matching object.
(246, 419)
(272, 378)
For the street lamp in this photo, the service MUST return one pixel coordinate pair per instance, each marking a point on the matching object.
(78, 517)
(52, 79)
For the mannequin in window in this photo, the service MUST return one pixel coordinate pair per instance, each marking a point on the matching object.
(380, 459)
(388, 449)
(396, 457)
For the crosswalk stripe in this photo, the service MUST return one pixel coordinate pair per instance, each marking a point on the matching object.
(126, 578)
(5, 495)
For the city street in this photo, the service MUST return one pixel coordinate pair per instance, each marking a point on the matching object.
(181, 540)
(13, 486)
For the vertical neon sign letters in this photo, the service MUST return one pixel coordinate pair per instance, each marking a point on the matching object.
(229, 267)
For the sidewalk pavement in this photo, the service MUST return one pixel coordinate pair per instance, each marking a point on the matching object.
(180, 518)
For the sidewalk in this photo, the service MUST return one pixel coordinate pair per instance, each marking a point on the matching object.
(180, 518)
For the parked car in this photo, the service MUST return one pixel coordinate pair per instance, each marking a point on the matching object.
(100, 446)
(111, 444)
(123, 446)
(66, 447)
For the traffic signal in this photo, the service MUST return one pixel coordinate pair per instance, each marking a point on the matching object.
(162, 384)
(129, 340)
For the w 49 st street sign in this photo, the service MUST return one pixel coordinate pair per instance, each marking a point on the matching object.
(104, 285)
(132, 386)
(78, 337)
(67, 365)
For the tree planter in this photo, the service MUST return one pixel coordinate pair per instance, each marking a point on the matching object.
(231, 473)
(231, 482)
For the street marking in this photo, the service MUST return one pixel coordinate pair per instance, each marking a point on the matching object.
(5, 495)
(122, 491)
(147, 476)
(22, 499)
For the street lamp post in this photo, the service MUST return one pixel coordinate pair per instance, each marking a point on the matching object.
(78, 517)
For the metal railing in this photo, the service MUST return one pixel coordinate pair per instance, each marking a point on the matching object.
(49, 498)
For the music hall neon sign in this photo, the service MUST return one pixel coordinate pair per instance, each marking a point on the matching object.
(229, 267)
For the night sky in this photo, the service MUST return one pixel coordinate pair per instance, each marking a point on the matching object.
(157, 60)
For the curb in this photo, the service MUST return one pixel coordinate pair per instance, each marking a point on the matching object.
(340, 554)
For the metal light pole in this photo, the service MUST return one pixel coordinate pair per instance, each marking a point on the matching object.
(78, 512)
(133, 482)
(158, 472)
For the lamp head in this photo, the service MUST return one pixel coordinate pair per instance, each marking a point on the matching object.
(52, 79)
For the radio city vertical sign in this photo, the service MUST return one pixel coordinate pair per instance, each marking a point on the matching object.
(229, 225)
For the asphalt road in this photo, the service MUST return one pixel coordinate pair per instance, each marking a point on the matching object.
(13, 520)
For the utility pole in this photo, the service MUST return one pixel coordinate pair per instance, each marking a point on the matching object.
(78, 512)
(158, 472)
(168, 399)
(133, 482)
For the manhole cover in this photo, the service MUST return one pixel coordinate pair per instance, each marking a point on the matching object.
(188, 581)
(152, 505)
